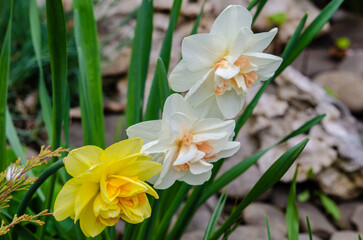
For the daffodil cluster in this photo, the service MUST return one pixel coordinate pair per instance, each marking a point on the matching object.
(217, 69)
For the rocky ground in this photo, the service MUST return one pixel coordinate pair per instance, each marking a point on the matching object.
(318, 82)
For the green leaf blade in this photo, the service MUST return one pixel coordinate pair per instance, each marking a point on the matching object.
(140, 54)
(292, 215)
(268, 179)
(90, 72)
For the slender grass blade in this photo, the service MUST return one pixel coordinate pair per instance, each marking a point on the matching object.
(90, 73)
(268, 179)
(292, 215)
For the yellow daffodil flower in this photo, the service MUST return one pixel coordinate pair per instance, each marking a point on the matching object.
(107, 185)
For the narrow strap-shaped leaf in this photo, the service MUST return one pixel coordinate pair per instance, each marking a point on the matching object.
(153, 105)
(359, 237)
(292, 214)
(268, 179)
(139, 63)
(37, 44)
(14, 139)
(57, 42)
(305, 127)
(311, 31)
(261, 4)
(215, 215)
(197, 20)
(90, 80)
(291, 43)
(309, 228)
(4, 78)
(242, 166)
(268, 229)
(163, 82)
(185, 217)
(252, 4)
(330, 206)
(171, 210)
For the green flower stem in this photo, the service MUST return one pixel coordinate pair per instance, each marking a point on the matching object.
(33, 188)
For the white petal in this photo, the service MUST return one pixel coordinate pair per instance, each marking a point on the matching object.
(201, 51)
(230, 21)
(168, 174)
(179, 124)
(229, 150)
(213, 125)
(198, 157)
(240, 79)
(175, 103)
(196, 179)
(262, 40)
(182, 79)
(200, 167)
(208, 108)
(230, 103)
(186, 154)
(267, 63)
(201, 91)
(244, 37)
(226, 73)
(148, 131)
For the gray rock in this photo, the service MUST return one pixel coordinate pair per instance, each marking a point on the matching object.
(353, 63)
(305, 236)
(318, 222)
(294, 9)
(357, 218)
(344, 235)
(347, 85)
(337, 184)
(255, 215)
(279, 196)
(255, 233)
(195, 235)
(201, 217)
(346, 213)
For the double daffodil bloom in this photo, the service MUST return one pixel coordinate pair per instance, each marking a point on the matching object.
(218, 67)
(185, 142)
(107, 185)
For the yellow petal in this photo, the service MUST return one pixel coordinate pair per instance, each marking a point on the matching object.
(81, 159)
(136, 215)
(89, 225)
(127, 186)
(64, 203)
(142, 168)
(85, 194)
(150, 190)
(122, 149)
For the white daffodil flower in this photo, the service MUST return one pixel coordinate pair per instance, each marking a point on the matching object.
(218, 67)
(185, 143)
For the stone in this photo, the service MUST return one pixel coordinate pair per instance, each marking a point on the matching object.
(255, 215)
(313, 61)
(344, 235)
(201, 217)
(346, 213)
(279, 195)
(346, 85)
(195, 235)
(120, 65)
(353, 63)
(335, 183)
(294, 11)
(318, 222)
(357, 218)
(305, 236)
(255, 233)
